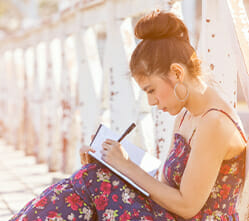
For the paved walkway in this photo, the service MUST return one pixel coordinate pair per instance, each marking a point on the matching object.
(20, 180)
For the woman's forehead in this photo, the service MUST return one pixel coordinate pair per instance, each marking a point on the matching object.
(146, 81)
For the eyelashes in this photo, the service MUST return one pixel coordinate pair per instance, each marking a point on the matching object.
(151, 91)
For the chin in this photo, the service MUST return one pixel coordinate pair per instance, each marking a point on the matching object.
(175, 111)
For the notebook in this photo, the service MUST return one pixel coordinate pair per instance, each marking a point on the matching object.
(143, 159)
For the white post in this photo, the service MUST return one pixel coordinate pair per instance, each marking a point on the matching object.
(23, 118)
(19, 69)
(66, 106)
(36, 111)
(219, 59)
(122, 101)
(2, 93)
(88, 99)
(50, 108)
(30, 65)
(164, 122)
(240, 44)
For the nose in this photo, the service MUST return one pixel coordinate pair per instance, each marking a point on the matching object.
(152, 100)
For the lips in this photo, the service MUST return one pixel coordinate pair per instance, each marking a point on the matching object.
(164, 109)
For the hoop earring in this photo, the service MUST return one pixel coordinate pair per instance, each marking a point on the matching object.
(186, 95)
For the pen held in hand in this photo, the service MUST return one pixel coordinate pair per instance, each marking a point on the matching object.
(129, 129)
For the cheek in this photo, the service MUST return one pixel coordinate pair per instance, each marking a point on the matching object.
(167, 95)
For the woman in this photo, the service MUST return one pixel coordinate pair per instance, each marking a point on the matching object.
(204, 171)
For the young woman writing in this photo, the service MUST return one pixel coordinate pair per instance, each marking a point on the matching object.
(204, 171)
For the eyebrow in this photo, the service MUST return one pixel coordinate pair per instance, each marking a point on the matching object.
(146, 87)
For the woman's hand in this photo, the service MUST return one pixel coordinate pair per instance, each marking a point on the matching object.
(114, 154)
(84, 156)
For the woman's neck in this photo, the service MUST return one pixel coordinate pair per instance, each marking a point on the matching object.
(200, 99)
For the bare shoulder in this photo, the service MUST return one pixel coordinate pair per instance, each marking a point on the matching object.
(220, 132)
(219, 122)
(214, 124)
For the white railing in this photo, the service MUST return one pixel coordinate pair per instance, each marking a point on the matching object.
(75, 66)
(68, 74)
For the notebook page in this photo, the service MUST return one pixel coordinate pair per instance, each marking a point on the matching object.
(145, 160)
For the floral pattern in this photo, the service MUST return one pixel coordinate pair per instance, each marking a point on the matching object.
(92, 193)
(221, 204)
(95, 193)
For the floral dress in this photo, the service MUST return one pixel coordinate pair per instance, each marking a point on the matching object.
(95, 193)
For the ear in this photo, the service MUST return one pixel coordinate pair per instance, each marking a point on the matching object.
(177, 71)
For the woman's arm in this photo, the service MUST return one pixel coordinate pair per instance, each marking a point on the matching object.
(208, 151)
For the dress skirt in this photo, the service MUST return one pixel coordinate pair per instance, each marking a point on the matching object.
(92, 193)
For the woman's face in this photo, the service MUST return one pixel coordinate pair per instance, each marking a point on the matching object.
(160, 92)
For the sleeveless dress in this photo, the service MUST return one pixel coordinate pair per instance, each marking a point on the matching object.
(95, 193)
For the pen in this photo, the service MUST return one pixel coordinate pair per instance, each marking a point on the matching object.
(129, 129)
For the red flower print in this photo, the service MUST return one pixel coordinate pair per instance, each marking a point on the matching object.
(177, 178)
(148, 207)
(168, 173)
(185, 160)
(236, 190)
(231, 210)
(105, 188)
(169, 216)
(135, 213)
(53, 214)
(125, 216)
(130, 200)
(106, 171)
(224, 192)
(92, 166)
(179, 151)
(115, 197)
(148, 218)
(140, 197)
(216, 205)
(101, 202)
(74, 201)
(198, 216)
(59, 187)
(79, 174)
(225, 169)
(224, 218)
(208, 211)
(51, 187)
(41, 203)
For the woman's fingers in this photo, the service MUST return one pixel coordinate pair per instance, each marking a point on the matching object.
(106, 146)
(92, 150)
(83, 158)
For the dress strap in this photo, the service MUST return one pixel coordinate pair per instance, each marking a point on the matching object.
(234, 122)
(191, 136)
(183, 118)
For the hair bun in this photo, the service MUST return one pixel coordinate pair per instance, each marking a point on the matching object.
(159, 24)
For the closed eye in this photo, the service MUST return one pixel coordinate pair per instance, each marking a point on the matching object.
(151, 91)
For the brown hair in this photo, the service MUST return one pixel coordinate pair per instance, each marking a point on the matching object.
(165, 41)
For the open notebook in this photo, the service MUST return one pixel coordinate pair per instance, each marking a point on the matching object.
(143, 159)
